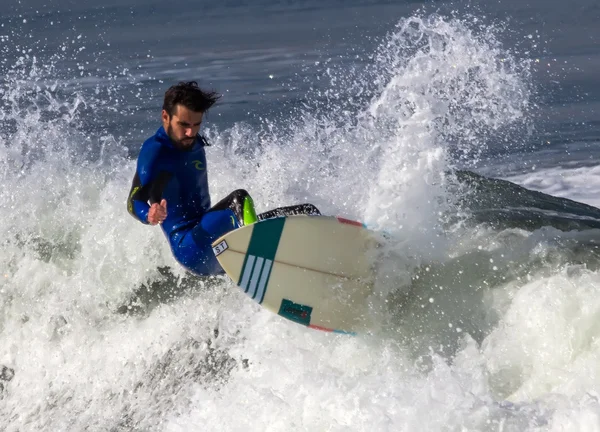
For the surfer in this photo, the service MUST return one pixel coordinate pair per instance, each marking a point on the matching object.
(170, 186)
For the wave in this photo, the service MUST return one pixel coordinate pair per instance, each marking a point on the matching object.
(502, 204)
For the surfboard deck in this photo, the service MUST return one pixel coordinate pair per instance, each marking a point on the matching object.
(313, 270)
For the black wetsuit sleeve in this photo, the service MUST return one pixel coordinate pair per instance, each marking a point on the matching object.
(141, 196)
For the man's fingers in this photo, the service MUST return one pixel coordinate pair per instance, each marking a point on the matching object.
(158, 212)
(162, 210)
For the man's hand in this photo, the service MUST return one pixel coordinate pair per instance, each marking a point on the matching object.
(157, 212)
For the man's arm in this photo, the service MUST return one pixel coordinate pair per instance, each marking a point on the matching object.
(137, 202)
(147, 186)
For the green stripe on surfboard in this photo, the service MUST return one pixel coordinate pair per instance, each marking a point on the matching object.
(262, 247)
(265, 238)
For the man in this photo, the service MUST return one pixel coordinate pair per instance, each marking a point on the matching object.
(170, 186)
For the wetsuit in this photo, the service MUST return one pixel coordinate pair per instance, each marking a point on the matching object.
(191, 225)
(180, 177)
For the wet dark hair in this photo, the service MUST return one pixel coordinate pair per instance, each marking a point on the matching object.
(190, 96)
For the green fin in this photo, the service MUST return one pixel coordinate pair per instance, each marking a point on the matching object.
(249, 212)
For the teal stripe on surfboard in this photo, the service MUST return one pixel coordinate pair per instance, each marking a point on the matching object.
(265, 238)
(259, 258)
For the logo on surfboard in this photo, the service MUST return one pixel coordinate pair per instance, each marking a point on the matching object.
(295, 312)
(220, 248)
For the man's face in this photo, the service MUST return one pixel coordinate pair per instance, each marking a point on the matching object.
(183, 126)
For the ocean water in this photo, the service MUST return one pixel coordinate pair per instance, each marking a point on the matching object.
(468, 131)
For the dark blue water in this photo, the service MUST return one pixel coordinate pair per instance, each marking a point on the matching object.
(269, 55)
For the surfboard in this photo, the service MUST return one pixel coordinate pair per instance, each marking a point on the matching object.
(313, 270)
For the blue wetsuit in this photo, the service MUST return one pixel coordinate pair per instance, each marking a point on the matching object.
(180, 177)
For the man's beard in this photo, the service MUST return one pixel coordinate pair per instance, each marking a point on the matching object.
(186, 143)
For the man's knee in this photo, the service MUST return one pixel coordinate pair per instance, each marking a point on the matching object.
(239, 195)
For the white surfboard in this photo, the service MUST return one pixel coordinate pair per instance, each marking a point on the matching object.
(313, 270)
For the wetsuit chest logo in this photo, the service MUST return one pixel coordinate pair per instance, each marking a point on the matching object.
(198, 164)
